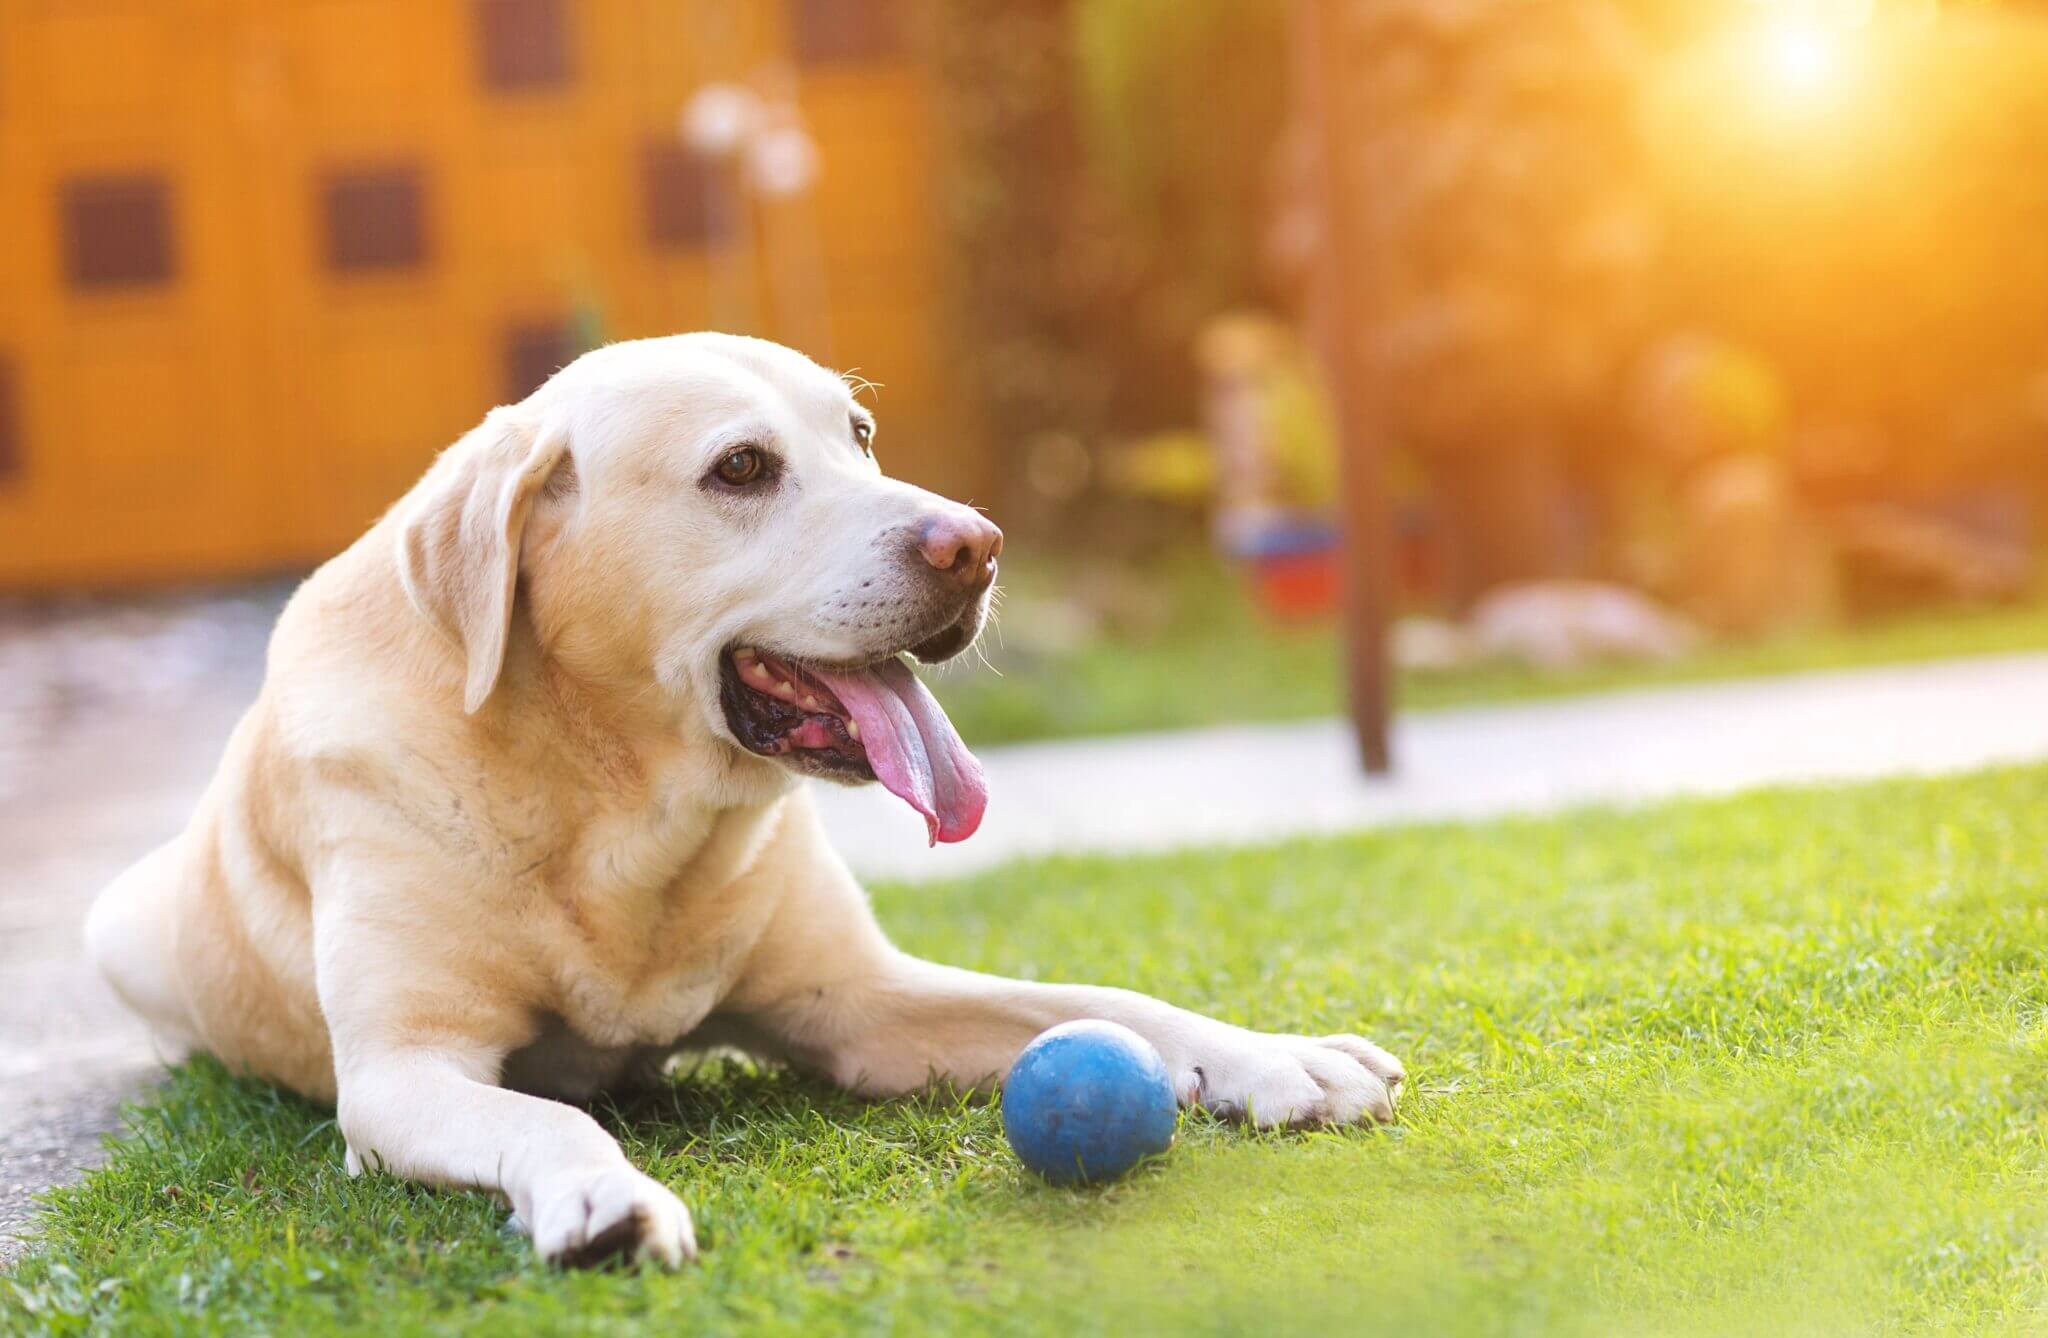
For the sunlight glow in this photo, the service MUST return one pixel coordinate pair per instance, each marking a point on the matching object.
(1800, 53)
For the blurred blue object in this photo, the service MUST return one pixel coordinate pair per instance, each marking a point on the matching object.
(1087, 1101)
(1283, 535)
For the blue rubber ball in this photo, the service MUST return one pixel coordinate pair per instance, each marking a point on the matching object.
(1087, 1101)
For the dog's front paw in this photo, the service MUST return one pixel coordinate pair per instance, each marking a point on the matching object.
(1270, 1080)
(583, 1220)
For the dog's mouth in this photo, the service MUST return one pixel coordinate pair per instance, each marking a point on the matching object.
(875, 722)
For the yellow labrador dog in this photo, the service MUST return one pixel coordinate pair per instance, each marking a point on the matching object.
(518, 812)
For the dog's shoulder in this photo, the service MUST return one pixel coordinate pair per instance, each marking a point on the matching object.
(351, 658)
(358, 727)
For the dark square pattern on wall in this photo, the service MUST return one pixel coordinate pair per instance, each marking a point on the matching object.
(533, 353)
(523, 44)
(10, 426)
(834, 32)
(674, 181)
(117, 231)
(374, 219)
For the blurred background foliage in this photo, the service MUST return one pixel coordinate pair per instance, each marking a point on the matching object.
(1738, 305)
(1562, 183)
(1179, 105)
(1607, 241)
(1104, 194)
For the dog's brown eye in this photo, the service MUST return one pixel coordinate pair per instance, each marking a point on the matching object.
(738, 468)
(864, 435)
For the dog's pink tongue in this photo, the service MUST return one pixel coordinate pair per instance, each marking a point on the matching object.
(913, 748)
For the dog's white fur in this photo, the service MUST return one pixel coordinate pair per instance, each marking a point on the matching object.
(484, 837)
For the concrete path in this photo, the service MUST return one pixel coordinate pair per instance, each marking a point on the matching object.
(1235, 785)
(111, 720)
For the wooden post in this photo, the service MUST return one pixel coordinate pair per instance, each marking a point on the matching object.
(1323, 59)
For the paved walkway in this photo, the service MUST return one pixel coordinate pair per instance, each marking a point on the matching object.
(96, 766)
(111, 719)
(1219, 786)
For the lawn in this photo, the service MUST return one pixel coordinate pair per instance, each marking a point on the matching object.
(1773, 1061)
(1082, 652)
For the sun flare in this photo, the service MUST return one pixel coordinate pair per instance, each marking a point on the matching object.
(1799, 54)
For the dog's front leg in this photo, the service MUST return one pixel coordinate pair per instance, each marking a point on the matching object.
(902, 1023)
(435, 1115)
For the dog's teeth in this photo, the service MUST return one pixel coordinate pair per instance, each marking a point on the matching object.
(853, 729)
(747, 653)
(785, 691)
(760, 671)
(809, 703)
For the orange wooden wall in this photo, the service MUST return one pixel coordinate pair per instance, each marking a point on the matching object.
(256, 407)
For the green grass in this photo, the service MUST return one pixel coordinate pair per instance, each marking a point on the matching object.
(1777, 1062)
(1187, 648)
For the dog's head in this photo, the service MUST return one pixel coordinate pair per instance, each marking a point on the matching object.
(700, 521)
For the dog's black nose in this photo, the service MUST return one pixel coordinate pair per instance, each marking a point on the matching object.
(961, 543)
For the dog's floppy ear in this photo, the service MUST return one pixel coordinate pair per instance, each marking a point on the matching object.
(458, 537)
